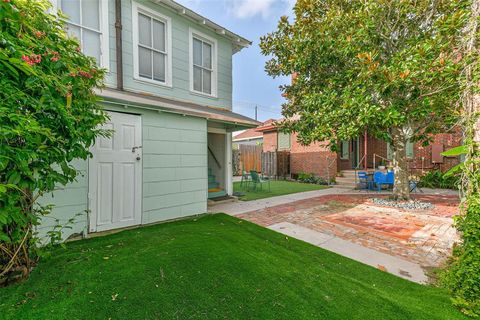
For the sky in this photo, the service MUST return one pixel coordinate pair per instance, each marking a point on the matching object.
(250, 19)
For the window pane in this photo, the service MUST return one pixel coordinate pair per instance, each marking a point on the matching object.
(73, 31)
(197, 79)
(207, 55)
(158, 35)
(72, 9)
(144, 32)
(159, 66)
(90, 14)
(144, 63)
(345, 149)
(409, 150)
(207, 81)
(91, 44)
(197, 52)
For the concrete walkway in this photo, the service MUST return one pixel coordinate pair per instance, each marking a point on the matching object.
(389, 263)
(238, 207)
(399, 267)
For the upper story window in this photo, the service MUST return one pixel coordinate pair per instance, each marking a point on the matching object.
(203, 64)
(88, 22)
(152, 46)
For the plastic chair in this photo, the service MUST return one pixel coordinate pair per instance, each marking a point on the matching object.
(390, 179)
(379, 178)
(256, 179)
(245, 179)
(363, 180)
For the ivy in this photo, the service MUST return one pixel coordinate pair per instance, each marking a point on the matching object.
(49, 116)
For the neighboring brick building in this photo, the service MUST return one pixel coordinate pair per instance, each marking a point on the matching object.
(317, 158)
(251, 136)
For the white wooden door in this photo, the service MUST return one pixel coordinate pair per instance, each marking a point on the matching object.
(115, 175)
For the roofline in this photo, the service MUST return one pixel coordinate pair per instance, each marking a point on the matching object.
(238, 41)
(250, 138)
(166, 105)
(266, 128)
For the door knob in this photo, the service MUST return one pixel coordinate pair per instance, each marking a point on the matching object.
(138, 158)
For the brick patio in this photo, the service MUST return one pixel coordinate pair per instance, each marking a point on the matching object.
(421, 236)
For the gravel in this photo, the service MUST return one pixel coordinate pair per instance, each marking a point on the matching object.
(410, 205)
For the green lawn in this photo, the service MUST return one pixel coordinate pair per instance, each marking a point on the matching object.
(278, 188)
(213, 267)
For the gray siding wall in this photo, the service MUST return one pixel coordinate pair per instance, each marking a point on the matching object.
(180, 89)
(174, 174)
(70, 201)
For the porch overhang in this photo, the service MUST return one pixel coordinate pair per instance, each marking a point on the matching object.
(231, 120)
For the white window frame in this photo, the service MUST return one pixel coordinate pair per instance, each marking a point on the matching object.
(192, 33)
(136, 9)
(104, 29)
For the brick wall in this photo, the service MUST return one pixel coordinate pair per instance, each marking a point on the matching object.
(423, 155)
(269, 141)
(315, 158)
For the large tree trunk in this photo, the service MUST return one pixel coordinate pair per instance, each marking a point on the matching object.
(401, 188)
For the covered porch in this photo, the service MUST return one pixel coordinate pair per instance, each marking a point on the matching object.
(363, 153)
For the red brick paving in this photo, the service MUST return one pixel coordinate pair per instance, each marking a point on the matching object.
(421, 236)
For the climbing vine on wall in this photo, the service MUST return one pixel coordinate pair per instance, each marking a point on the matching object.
(463, 275)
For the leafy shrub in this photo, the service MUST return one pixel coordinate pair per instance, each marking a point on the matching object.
(49, 116)
(438, 179)
(307, 177)
(311, 178)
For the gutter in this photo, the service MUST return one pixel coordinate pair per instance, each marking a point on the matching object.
(118, 43)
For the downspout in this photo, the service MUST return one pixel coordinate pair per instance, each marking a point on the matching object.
(365, 139)
(118, 43)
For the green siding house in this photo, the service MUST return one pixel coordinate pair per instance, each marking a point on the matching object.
(169, 96)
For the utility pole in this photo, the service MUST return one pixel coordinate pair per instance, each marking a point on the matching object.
(256, 112)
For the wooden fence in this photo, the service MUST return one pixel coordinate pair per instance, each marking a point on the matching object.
(250, 158)
(276, 164)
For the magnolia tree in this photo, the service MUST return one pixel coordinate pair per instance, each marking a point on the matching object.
(48, 117)
(387, 66)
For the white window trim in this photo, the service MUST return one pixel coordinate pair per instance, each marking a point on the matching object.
(213, 42)
(137, 8)
(104, 29)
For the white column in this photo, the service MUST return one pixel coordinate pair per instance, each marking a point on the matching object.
(228, 164)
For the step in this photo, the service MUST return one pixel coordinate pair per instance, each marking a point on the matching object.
(212, 185)
(216, 194)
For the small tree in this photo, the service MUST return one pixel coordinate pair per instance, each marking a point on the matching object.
(387, 66)
(49, 116)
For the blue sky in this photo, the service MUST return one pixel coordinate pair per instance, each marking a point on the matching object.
(250, 19)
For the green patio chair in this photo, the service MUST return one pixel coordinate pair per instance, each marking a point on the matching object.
(256, 179)
(245, 179)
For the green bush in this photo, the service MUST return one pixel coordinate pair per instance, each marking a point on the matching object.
(438, 179)
(49, 116)
(311, 178)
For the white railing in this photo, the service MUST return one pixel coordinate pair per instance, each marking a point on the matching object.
(374, 159)
(357, 167)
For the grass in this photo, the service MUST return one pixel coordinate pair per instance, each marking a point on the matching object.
(213, 267)
(278, 188)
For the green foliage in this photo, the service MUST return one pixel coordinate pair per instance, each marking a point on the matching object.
(312, 178)
(306, 177)
(438, 179)
(48, 114)
(388, 66)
